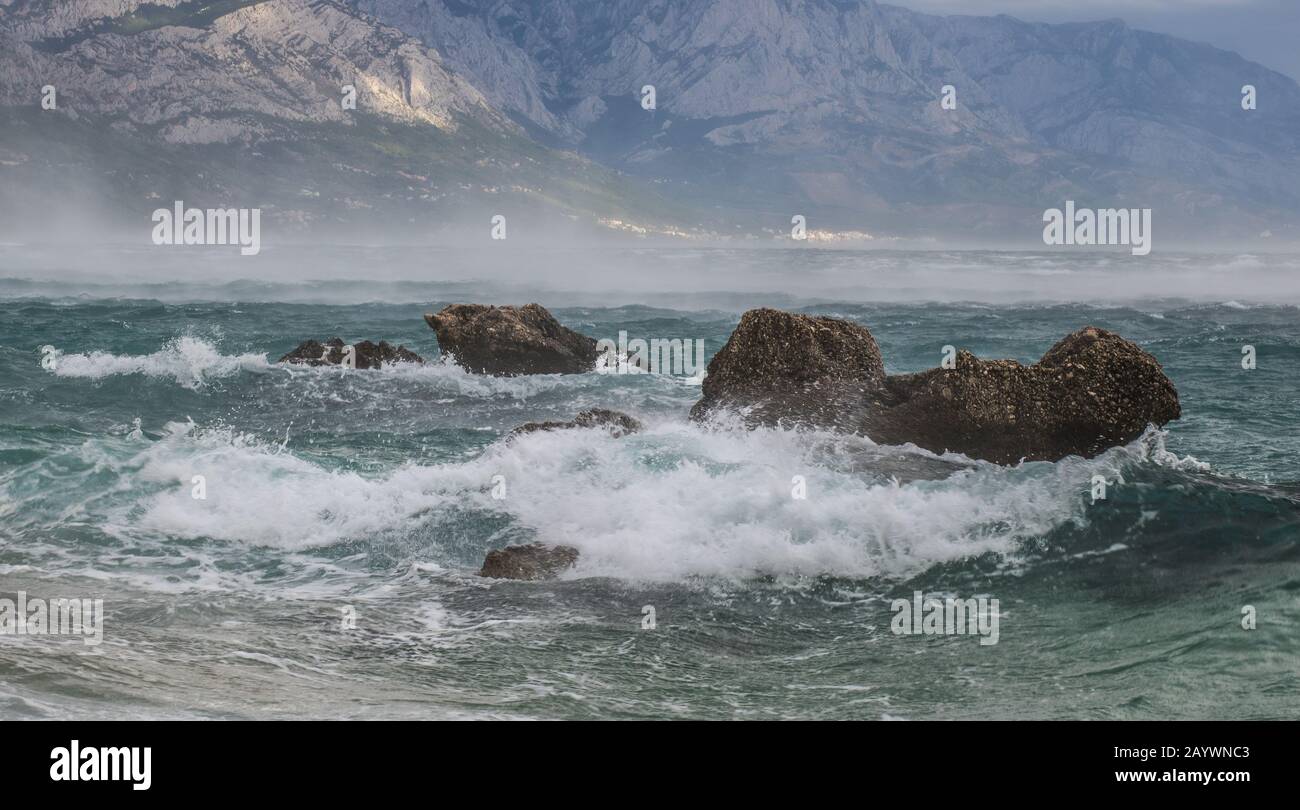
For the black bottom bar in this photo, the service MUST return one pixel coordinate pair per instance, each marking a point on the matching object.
(333, 760)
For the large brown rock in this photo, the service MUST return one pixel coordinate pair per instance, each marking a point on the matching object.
(507, 341)
(615, 423)
(332, 352)
(1091, 391)
(782, 367)
(531, 562)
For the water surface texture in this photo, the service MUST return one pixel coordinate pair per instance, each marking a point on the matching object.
(333, 493)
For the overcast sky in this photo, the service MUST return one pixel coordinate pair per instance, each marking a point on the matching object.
(1265, 31)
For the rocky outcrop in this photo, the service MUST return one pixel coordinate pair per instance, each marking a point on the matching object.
(615, 423)
(780, 366)
(531, 562)
(508, 341)
(1091, 391)
(333, 352)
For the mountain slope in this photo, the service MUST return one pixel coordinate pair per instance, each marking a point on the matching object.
(240, 103)
(765, 109)
(833, 105)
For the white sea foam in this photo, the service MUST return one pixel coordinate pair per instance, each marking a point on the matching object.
(449, 377)
(671, 503)
(190, 361)
(258, 495)
(725, 506)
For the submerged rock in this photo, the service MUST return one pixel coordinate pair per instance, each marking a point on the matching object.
(507, 341)
(1091, 391)
(531, 562)
(616, 423)
(367, 354)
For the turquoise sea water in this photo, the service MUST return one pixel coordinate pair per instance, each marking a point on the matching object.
(370, 494)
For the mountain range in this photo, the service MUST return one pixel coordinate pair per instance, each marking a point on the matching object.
(763, 109)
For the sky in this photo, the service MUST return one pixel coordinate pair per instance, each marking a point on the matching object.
(1264, 31)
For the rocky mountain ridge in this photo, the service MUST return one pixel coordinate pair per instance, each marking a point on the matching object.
(764, 109)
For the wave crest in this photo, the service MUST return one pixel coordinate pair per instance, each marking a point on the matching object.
(190, 361)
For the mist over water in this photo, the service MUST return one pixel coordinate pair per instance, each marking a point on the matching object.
(688, 278)
(372, 490)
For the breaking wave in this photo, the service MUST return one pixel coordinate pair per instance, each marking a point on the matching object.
(674, 502)
(190, 361)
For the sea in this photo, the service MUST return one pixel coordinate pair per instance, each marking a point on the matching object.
(279, 541)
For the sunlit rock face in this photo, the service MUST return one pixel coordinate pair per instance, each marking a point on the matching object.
(256, 72)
